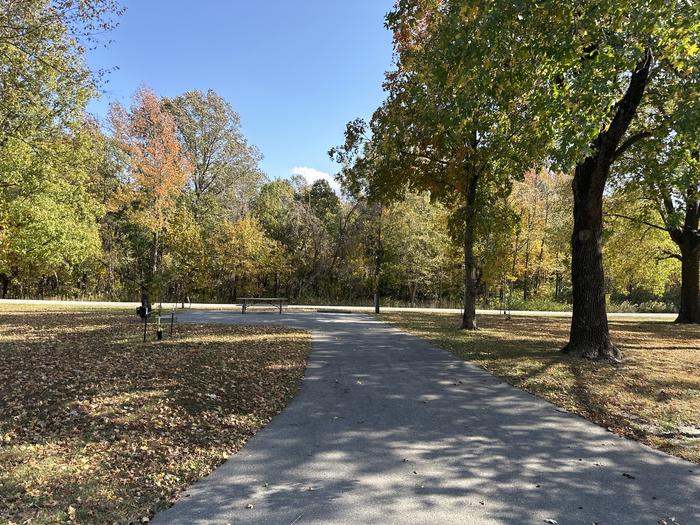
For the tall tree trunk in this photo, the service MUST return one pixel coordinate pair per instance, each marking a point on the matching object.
(526, 271)
(5, 284)
(688, 240)
(590, 337)
(540, 255)
(412, 289)
(589, 326)
(690, 284)
(687, 237)
(154, 263)
(470, 270)
(378, 257)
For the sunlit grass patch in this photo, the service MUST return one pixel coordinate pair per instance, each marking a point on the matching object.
(98, 427)
(652, 396)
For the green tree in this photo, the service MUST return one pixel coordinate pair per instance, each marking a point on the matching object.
(188, 259)
(416, 246)
(45, 82)
(242, 254)
(600, 65)
(225, 173)
(356, 159)
(48, 222)
(636, 254)
(324, 203)
(44, 88)
(454, 117)
(665, 179)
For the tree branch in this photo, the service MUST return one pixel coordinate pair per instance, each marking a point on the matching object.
(640, 221)
(630, 142)
(669, 255)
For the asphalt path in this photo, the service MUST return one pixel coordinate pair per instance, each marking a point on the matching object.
(388, 429)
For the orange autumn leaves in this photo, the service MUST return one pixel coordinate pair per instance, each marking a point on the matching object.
(147, 135)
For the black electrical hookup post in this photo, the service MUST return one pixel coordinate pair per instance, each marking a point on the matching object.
(144, 311)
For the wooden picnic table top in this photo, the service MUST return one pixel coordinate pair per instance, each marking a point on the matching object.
(263, 298)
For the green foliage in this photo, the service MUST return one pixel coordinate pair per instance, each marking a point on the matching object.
(419, 255)
(241, 254)
(275, 207)
(225, 173)
(586, 52)
(323, 202)
(636, 254)
(45, 82)
(47, 217)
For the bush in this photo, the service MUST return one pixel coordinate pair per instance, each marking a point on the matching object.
(655, 307)
(539, 304)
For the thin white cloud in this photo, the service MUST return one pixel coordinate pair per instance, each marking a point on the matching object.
(311, 175)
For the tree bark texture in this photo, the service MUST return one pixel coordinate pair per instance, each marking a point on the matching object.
(687, 237)
(690, 284)
(589, 336)
(470, 270)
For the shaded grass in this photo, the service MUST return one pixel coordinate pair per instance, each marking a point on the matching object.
(652, 396)
(98, 427)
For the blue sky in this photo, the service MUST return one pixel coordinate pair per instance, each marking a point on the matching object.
(295, 70)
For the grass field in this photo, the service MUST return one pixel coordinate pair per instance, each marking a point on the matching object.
(652, 396)
(98, 427)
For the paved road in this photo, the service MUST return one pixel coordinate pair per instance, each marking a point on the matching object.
(353, 309)
(387, 429)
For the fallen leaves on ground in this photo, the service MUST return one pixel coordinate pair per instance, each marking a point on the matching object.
(98, 427)
(652, 396)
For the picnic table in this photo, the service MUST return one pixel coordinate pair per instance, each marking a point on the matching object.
(278, 302)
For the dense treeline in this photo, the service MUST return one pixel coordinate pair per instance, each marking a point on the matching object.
(171, 199)
(458, 191)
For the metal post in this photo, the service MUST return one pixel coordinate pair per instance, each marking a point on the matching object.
(172, 321)
(145, 326)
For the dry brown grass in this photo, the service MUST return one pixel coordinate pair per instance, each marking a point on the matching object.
(652, 396)
(98, 427)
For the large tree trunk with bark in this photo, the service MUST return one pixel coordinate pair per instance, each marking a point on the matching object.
(690, 284)
(471, 281)
(589, 336)
(687, 237)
